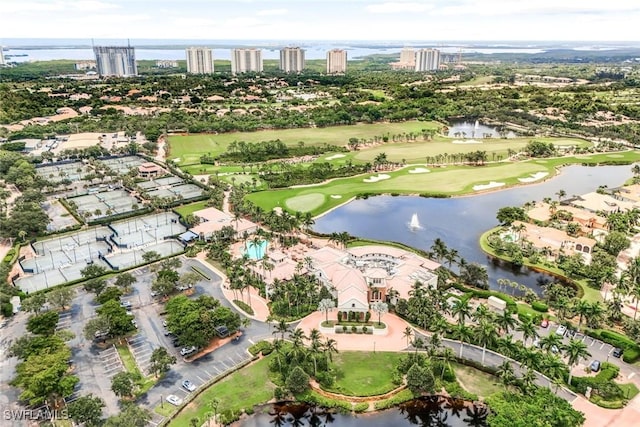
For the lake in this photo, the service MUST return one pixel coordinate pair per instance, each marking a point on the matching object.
(460, 221)
(474, 129)
(429, 410)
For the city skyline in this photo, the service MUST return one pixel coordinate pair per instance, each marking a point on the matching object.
(573, 20)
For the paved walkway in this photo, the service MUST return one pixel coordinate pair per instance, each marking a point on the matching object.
(596, 416)
(393, 341)
(258, 304)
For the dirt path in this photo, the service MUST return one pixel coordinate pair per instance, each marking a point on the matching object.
(161, 154)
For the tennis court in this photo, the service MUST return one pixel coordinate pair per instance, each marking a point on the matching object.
(107, 203)
(123, 165)
(59, 171)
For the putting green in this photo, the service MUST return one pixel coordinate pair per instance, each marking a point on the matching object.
(305, 202)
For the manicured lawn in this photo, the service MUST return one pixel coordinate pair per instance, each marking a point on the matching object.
(630, 390)
(243, 389)
(365, 373)
(185, 210)
(475, 381)
(189, 148)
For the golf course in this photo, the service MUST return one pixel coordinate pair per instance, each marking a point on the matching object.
(429, 165)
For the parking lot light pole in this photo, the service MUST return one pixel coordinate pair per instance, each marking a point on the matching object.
(161, 402)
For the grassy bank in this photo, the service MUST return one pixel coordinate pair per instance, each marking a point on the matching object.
(365, 373)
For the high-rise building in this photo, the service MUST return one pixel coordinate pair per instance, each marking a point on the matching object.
(408, 56)
(427, 59)
(117, 61)
(1, 56)
(246, 60)
(336, 61)
(199, 60)
(292, 59)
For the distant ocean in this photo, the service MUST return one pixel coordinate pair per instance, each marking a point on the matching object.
(21, 50)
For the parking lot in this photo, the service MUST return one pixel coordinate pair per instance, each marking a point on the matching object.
(110, 361)
(141, 348)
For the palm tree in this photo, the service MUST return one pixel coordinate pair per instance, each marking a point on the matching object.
(407, 333)
(447, 355)
(528, 379)
(506, 321)
(461, 309)
(281, 328)
(482, 313)
(439, 249)
(417, 343)
(550, 341)
(330, 347)
(582, 308)
(463, 334)
(561, 194)
(485, 334)
(315, 347)
(528, 329)
(505, 373)
(574, 352)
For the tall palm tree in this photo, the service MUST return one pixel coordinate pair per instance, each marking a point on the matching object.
(281, 328)
(446, 355)
(315, 347)
(574, 352)
(461, 309)
(582, 308)
(528, 329)
(485, 333)
(482, 313)
(407, 333)
(550, 341)
(330, 346)
(463, 334)
(506, 321)
(417, 343)
(528, 380)
(505, 373)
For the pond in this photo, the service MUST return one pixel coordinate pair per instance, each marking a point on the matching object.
(475, 129)
(460, 221)
(426, 411)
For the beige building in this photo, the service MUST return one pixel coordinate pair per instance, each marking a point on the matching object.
(246, 60)
(199, 60)
(292, 59)
(427, 60)
(336, 61)
(213, 220)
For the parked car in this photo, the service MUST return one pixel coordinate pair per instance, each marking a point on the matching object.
(536, 342)
(187, 350)
(188, 385)
(544, 323)
(561, 330)
(164, 323)
(617, 352)
(595, 366)
(125, 304)
(134, 323)
(174, 400)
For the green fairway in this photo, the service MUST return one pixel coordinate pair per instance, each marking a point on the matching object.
(242, 390)
(450, 180)
(365, 373)
(306, 202)
(188, 149)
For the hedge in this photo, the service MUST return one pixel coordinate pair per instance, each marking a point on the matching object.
(243, 306)
(540, 306)
(631, 349)
(361, 407)
(264, 347)
(485, 294)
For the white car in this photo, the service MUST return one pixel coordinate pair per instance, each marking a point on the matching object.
(187, 350)
(561, 330)
(174, 400)
(188, 385)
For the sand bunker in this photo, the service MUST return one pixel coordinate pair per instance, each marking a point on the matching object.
(488, 186)
(534, 177)
(336, 196)
(466, 141)
(335, 156)
(379, 177)
(177, 160)
(419, 170)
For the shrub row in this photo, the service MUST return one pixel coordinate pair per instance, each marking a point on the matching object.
(316, 399)
(540, 306)
(200, 272)
(360, 407)
(631, 349)
(401, 397)
(484, 294)
(243, 306)
(264, 347)
(602, 384)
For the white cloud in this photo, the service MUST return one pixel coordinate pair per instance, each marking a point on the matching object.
(398, 7)
(14, 6)
(272, 12)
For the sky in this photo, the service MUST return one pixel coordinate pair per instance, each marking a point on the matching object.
(429, 20)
